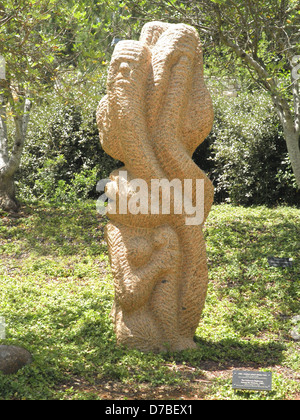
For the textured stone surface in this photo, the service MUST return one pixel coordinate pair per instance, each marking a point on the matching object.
(13, 358)
(156, 112)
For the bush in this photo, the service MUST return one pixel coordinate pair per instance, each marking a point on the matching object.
(63, 158)
(246, 155)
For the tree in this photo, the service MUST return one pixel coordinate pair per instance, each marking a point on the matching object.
(40, 40)
(263, 35)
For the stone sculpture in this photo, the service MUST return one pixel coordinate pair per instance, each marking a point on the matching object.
(156, 112)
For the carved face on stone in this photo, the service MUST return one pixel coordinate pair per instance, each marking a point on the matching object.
(130, 62)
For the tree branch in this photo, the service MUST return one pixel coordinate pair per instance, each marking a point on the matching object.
(282, 105)
(296, 97)
(21, 123)
(3, 133)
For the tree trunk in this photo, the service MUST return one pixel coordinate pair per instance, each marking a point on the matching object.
(8, 200)
(292, 141)
(10, 164)
(7, 189)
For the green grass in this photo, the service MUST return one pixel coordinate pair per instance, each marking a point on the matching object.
(56, 294)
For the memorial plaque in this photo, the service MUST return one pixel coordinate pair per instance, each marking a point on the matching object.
(280, 262)
(246, 379)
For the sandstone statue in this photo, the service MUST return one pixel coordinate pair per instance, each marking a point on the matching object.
(156, 112)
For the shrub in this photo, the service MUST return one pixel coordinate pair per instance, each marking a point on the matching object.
(63, 158)
(245, 154)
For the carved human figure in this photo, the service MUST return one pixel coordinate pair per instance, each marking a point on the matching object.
(156, 112)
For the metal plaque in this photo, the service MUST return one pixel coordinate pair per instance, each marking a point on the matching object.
(253, 380)
(280, 262)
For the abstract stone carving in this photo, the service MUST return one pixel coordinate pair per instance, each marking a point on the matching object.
(156, 112)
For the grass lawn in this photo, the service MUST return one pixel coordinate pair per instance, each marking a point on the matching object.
(56, 294)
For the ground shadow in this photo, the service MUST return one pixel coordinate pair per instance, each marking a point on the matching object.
(65, 230)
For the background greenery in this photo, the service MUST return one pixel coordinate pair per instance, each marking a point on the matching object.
(58, 53)
(63, 160)
(245, 154)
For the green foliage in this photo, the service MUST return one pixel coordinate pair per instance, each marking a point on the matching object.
(241, 35)
(49, 38)
(56, 294)
(63, 161)
(247, 153)
(42, 39)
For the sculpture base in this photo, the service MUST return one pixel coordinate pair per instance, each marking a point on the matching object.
(154, 310)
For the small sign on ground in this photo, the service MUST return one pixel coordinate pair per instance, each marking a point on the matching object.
(280, 262)
(252, 380)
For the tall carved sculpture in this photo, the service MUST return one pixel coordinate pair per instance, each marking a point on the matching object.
(156, 112)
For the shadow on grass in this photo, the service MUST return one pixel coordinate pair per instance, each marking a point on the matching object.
(64, 230)
(242, 351)
(254, 238)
